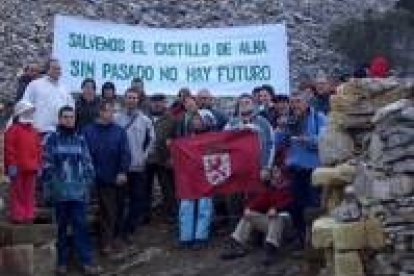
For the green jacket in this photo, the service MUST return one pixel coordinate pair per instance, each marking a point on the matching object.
(165, 129)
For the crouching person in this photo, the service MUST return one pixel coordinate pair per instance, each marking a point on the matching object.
(68, 175)
(267, 213)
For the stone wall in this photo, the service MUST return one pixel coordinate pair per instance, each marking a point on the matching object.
(26, 26)
(369, 141)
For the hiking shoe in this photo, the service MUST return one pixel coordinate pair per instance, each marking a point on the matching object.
(271, 253)
(234, 250)
(200, 245)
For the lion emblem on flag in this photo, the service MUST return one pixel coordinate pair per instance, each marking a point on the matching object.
(217, 167)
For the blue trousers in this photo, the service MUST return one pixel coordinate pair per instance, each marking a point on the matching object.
(72, 213)
(195, 217)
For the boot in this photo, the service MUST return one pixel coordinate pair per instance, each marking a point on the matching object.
(271, 253)
(233, 250)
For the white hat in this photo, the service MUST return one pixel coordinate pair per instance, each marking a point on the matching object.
(22, 107)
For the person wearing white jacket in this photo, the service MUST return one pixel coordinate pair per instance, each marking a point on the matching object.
(48, 95)
(141, 138)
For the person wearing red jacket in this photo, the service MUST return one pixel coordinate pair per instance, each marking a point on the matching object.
(22, 148)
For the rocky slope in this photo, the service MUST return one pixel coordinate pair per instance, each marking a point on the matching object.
(26, 26)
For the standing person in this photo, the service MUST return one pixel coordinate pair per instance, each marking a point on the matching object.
(30, 72)
(265, 106)
(158, 163)
(138, 85)
(22, 153)
(304, 128)
(247, 118)
(191, 108)
(68, 175)
(206, 101)
(281, 107)
(108, 94)
(48, 95)
(255, 94)
(87, 105)
(108, 146)
(177, 108)
(195, 215)
(321, 94)
(140, 135)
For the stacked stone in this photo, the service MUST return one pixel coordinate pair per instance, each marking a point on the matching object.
(386, 183)
(368, 143)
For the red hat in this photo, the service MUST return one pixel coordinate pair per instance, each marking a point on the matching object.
(379, 67)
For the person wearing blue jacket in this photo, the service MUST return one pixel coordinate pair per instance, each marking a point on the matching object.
(111, 158)
(67, 176)
(304, 126)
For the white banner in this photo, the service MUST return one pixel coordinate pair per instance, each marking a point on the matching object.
(227, 61)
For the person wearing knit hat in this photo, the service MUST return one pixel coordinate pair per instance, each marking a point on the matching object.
(379, 67)
(22, 154)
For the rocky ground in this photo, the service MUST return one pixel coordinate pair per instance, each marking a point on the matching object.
(26, 26)
(155, 253)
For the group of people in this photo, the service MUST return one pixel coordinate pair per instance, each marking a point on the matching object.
(114, 148)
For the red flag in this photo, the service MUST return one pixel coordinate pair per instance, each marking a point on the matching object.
(216, 162)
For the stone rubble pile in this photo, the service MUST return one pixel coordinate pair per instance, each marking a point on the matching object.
(368, 144)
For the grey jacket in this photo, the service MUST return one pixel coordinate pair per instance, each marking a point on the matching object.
(141, 136)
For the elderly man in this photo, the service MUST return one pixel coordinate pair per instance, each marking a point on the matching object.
(304, 127)
(48, 95)
(206, 101)
(322, 91)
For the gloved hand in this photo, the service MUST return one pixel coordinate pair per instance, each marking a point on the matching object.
(12, 172)
(121, 179)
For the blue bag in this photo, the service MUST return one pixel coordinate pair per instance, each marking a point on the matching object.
(301, 154)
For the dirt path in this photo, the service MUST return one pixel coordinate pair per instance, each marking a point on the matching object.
(154, 253)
